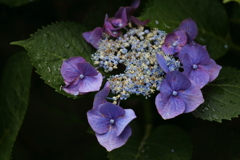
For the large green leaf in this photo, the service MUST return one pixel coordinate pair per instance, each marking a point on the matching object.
(226, 1)
(15, 3)
(166, 142)
(222, 97)
(14, 96)
(209, 15)
(49, 46)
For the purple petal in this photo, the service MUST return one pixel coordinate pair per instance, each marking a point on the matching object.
(100, 97)
(119, 13)
(212, 69)
(162, 63)
(182, 37)
(72, 88)
(123, 121)
(168, 47)
(111, 141)
(97, 121)
(68, 73)
(69, 69)
(93, 37)
(90, 84)
(120, 19)
(87, 69)
(111, 110)
(198, 75)
(190, 27)
(138, 22)
(197, 55)
(135, 4)
(166, 90)
(171, 108)
(177, 81)
(109, 29)
(192, 97)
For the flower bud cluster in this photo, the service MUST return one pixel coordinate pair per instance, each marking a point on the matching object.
(136, 50)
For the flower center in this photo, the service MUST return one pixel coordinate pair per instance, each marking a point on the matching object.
(112, 121)
(135, 52)
(174, 44)
(194, 66)
(174, 93)
(81, 76)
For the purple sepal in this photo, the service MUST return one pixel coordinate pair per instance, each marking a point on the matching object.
(97, 121)
(120, 19)
(122, 121)
(197, 64)
(110, 123)
(111, 141)
(174, 42)
(177, 95)
(213, 70)
(100, 97)
(109, 28)
(80, 76)
(190, 27)
(89, 84)
(135, 4)
(162, 63)
(138, 22)
(93, 37)
(112, 111)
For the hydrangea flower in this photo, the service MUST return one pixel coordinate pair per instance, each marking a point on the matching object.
(113, 26)
(174, 42)
(197, 64)
(110, 122)
(177, 95)
(80, 76)
(190, 27)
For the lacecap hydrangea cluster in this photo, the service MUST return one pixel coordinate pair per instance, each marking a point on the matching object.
(173, 64)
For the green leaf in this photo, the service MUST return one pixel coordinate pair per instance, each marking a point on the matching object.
(51, 45)
(14, 96)
(222, 97)
(166, 142)
(15, 3)
(226, 1)
(209, 15)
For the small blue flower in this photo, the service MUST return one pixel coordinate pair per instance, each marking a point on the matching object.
(177, 95)
(80, 76)
(110, 122)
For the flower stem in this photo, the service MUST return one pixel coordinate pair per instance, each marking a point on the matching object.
(148, 125)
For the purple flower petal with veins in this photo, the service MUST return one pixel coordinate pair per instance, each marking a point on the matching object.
(190, 27)
(110, 123)
(80, 76)
(120, 19)
(197, 64)
(100, 97)
(93, 37)
(138, 22)
(174, 42)
(162, 63)
(111, 141)
(177, 95)
(109, 28)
